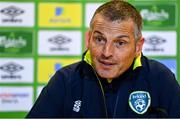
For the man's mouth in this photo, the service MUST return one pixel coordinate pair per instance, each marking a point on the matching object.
(106, 63)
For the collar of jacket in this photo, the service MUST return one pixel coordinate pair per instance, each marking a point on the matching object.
(137, 61)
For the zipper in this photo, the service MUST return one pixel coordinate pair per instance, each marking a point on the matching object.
(116, 103)
(101, 87)
(115, 107)
(104, 100)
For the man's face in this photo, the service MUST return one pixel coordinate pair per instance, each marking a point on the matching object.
(112, 46)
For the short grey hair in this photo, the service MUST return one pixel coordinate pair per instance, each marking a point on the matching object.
(119, 10)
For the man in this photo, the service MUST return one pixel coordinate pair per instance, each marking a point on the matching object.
(114, 79)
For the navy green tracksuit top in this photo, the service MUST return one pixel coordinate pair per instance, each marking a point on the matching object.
(147, 89)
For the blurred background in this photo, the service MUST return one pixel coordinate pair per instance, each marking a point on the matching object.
(38, 37)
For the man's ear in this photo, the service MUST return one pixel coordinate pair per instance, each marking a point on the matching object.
(139, 46)
(87, 39)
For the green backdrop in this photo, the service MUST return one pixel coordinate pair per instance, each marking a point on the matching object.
(159, 15)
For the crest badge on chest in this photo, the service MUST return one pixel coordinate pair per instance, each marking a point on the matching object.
(139, 101)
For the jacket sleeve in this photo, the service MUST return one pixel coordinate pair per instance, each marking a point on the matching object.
(50, 102)
(170, 94)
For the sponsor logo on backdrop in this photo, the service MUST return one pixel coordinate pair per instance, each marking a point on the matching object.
(12, 12)
(16, 70)
(17, 42)
(153, 14)
(47, 67)
(57, 66)
(59, 41)
(158, 43)
(15, 98)
(60, 14)
(58, 11)
(8, 98)
(158, 14)
(8, 42)
(11, 68)
(155, 42)
(17, 14)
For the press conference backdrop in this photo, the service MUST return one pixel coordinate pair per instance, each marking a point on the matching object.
(38, 37)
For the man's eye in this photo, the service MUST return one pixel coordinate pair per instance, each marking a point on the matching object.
(120, 43)
(99, 40)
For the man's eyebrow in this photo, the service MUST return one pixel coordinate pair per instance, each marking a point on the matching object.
(98, 32)
(122, 36)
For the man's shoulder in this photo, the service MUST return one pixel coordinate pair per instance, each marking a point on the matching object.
(158, 72)
(72, 71)
(69, 69)
(158, 75)
(155, 65)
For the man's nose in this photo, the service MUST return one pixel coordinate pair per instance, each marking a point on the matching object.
(107, 51)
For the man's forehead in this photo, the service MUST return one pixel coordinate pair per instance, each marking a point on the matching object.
(113, 26)
(102, 20)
